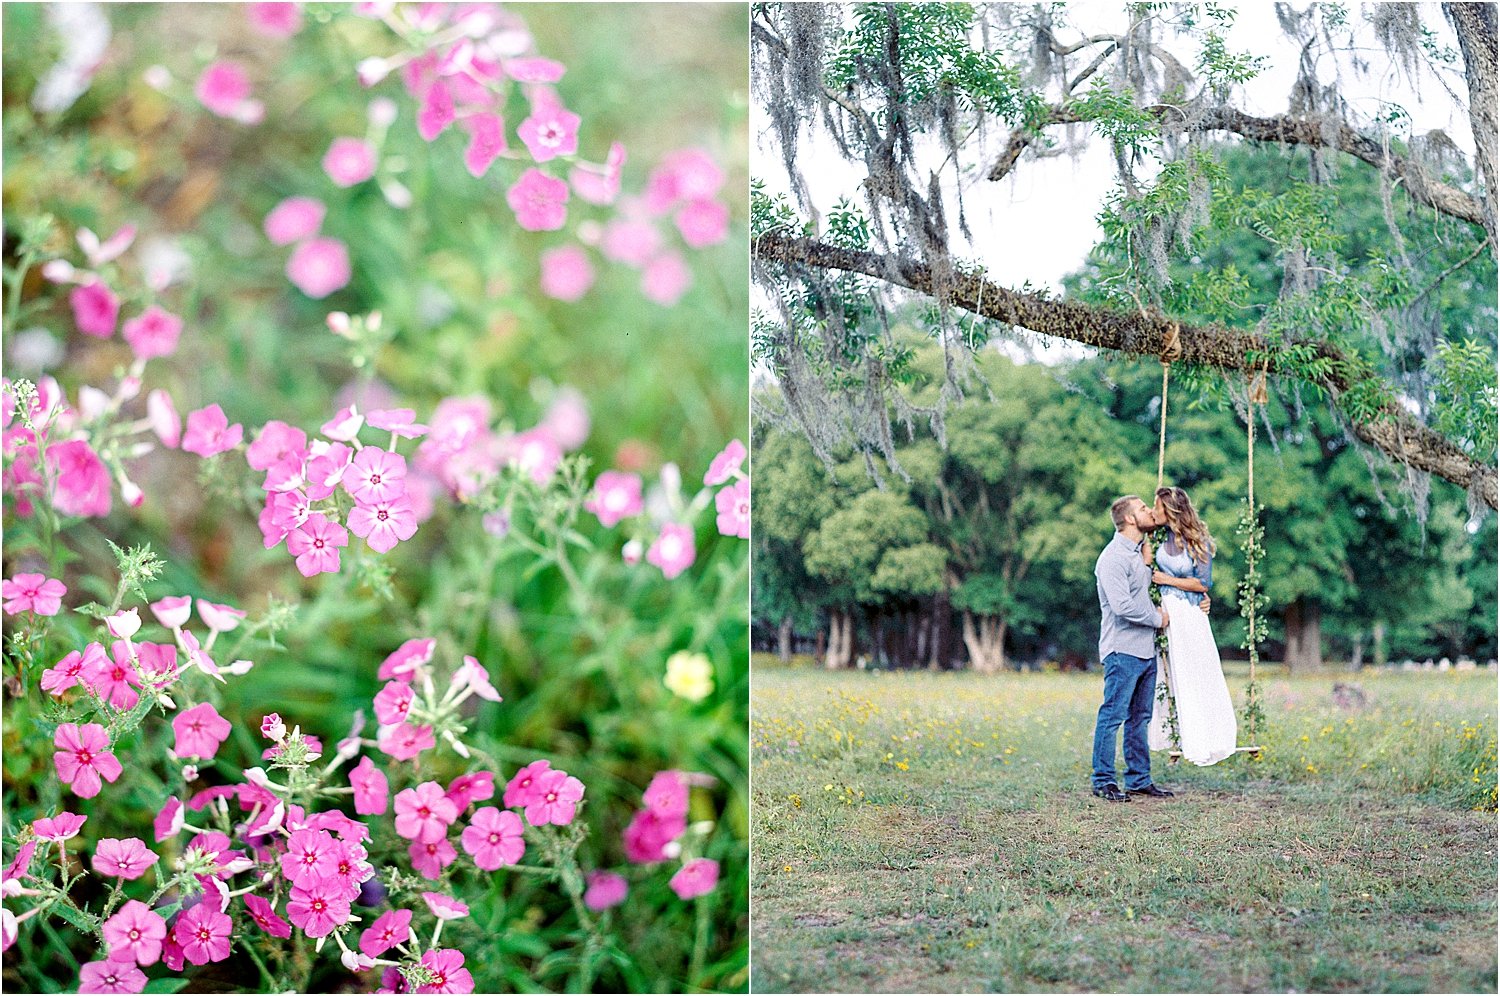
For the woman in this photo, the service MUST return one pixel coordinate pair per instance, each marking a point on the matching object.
(1184, 569)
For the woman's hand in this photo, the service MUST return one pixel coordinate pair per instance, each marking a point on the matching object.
(1162, 577)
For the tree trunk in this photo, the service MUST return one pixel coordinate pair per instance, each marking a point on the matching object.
(986, 643)
(1380, 657)
(1475, 25)
(784, 639)
(942, 625)
(1393, 430)
(1357, 659)
(820, 649)
(1304, 636)
(839, 655)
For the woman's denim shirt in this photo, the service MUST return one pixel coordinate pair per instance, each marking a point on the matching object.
(1173, 558)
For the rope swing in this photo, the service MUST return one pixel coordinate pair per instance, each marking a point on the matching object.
(1171, 351)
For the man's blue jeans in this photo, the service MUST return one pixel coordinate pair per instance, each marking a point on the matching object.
(1129, 687)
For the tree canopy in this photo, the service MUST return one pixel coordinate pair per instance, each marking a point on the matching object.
(1230, 244)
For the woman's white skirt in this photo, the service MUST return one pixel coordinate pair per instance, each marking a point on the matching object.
(1205, 713)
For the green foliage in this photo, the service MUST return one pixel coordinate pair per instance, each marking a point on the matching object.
(1465, 409)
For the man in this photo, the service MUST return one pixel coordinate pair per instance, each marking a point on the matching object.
(1127, 646)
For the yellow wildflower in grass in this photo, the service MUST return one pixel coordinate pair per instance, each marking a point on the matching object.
(689, 675)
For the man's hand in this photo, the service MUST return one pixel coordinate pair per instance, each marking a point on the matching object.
(1164, 619)
(1204, 605)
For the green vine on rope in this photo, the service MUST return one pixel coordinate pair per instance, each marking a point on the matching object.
(1253, 602)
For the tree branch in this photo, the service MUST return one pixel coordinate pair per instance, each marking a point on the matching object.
(1397, 433)
(1288, 130)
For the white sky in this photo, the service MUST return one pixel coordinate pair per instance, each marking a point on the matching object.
(1038, 224)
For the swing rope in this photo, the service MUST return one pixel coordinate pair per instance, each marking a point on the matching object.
(1171, 350)
(1256, 395)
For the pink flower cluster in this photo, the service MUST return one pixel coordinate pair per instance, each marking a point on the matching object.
(462, 453)
(319, 265)
(302, 476)
(732, 502)
(654, 832)
(225, 89)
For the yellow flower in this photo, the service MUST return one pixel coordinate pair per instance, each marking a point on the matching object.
(690, 675)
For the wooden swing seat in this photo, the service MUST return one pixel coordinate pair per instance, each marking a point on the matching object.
(1175, 756)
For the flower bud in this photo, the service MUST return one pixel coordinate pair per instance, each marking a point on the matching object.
(273, 728)
(632, 552)
(382, 112)
(372, 70)
(124, 625)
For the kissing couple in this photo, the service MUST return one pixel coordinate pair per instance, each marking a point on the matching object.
(1128, 624)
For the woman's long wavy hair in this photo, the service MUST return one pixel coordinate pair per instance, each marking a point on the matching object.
(1183, 520)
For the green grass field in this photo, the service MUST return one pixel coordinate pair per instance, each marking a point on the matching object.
(934, 832)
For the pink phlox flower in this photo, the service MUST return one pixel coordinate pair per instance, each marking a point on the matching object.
(703, 223)
(63, 826)
(469, 788)
(32, 593)
(75, 668)
(345, 425)
(522, 790)
(549, 132)
(616, 496)
(534, 70)
(349, 161)
(134, 934)
(371, 788)
(398, 421)
(408, 661)
(158, 662)
(169, 821)
(95, 309)
(155, 332)
(696, 878)
(198, 657)
(556, 799)
(173, 612)
(275, 20)
(673, 550)
(319, 266)
(218, 617)
(310, 855)
(665, 279)
(200, 731)
(445, 907)
(375, 475)
(429, 860)
(163, 417)
(448, 972)
(539, 201)
(667, 795)
(84, 757)
(20, 865)
(224, 89)
(275, 442)
(725, 464)
(325, 467)
(733, 505)
(567, 273)
(349, 831)
(473, 676)
(127, 859)
(437, 111)
(405, 741)
(318, 906)
(265, 916)
(209, 432)
(424, 813)
(605, 890)
(294, 219)
(494, 837)
(684, 175)
(486, 142)
(648, 835)
(315, 544)
(384, 524)
(391, 928)
(204, 934)
(631, 241)
(81, 483)
(566, 421)
(393, 702)
(171, 952)
(534, 453)
(601, 188)
(111, 976)
(98, 253)
(218, 848)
